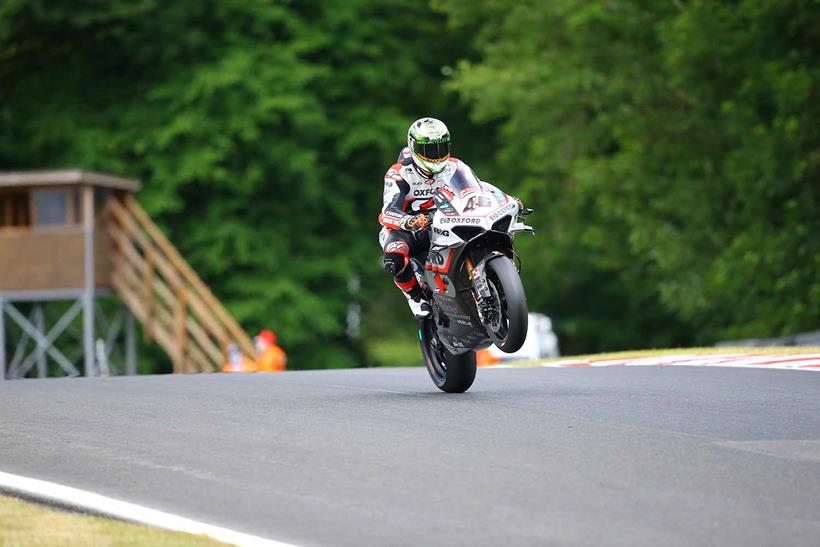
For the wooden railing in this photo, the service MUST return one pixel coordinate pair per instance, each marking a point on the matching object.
(176, 308)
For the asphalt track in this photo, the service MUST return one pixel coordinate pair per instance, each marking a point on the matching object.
(531, 456)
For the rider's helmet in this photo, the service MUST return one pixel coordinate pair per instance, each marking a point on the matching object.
(429, 143)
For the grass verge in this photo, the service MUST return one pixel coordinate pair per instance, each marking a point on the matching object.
(25, 524)
(763, 350)
(401, 350)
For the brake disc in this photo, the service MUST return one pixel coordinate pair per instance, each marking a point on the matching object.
(495, 320)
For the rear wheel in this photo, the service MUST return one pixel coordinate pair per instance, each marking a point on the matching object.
(510, 329)
(450, 373)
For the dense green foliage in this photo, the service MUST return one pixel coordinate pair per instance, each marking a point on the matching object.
(672, 150)
(262, 131)
(675, 147)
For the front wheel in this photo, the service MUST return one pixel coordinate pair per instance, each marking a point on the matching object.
(450, 373)
(509, 331)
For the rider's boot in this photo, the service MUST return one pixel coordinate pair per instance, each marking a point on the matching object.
(415, 298)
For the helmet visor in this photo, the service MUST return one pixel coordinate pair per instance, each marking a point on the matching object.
(434, 151)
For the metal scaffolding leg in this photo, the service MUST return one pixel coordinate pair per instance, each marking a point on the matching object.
(88, 332)
(130, 344)
(2, 341)
(45, 341)
(88, 293)
(13, 366)
(32, 350)
(40, 324)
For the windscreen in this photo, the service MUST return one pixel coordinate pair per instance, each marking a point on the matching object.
(462, 180)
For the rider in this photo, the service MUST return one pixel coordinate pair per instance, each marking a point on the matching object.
(423, 167)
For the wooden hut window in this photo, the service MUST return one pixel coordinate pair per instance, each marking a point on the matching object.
(55, 207)
(14, 209)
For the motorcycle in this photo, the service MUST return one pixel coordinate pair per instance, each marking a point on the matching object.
(471, 280)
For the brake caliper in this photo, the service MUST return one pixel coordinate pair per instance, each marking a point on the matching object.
(487, 311)
(484, 297)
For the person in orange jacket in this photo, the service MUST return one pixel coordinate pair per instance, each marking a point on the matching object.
(270, 357)
(484, 358)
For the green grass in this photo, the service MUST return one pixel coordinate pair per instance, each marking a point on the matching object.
(403, 350)
(765, 350)
(397, 351)
(24, 524)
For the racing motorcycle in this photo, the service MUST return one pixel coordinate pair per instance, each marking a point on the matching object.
(471, 281)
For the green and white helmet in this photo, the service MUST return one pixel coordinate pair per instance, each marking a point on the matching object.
(429, 143)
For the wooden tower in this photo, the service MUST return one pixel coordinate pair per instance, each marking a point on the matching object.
(70, 240)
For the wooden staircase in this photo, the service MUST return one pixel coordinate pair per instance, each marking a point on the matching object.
(176, 308)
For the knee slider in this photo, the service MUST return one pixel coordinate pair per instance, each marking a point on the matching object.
(396, 255)
(393, 263)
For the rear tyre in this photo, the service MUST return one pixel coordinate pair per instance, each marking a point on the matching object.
(450, 373)
(511, 330)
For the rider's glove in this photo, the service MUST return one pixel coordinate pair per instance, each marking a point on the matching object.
(416, 223)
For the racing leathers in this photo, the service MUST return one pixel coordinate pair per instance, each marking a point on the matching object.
(408, 193)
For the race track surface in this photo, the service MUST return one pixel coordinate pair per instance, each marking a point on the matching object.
(529, 456)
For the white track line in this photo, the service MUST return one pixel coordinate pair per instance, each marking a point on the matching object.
(66, 496)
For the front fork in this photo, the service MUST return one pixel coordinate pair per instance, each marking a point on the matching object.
(485, 299)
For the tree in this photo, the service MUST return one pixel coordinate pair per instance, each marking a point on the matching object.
(674, 149)
(261, 131)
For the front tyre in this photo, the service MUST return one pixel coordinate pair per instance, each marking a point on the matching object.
(450, 373)
(510, 331)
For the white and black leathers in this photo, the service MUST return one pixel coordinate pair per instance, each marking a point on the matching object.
(408, 191)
